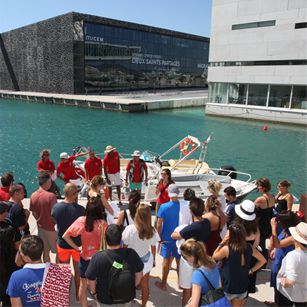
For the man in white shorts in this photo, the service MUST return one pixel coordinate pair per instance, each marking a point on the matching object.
(111, 166)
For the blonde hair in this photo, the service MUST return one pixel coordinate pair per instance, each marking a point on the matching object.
(96, 182)
(214, 186)
(197, 250)
(212, 203)
(142, 222)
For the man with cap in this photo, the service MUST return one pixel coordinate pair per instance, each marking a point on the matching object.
(67, 168)
(111, 166)
(168, 220)
(92, 165)
(291, 278)
(41, 204)
(136, 168)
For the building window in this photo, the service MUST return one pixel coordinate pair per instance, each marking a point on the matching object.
(257, 24)
(279, 96)
(300, 25)
(237, 93)
(257, 94)
(299, 97)
(218, 92)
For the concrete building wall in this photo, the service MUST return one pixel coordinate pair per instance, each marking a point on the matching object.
(257, 60)
(40, 56)
(278, 42)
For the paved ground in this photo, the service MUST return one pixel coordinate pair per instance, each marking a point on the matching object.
(172, 297)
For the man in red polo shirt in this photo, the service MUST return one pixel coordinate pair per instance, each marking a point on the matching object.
(111, 166)
(136, 169)
(67, 168)
(93, 166)
(6, 180)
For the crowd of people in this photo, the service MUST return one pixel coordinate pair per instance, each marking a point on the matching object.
(218, 243)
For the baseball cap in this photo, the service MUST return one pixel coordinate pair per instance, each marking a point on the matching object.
(173, 190)
(64, 155)
(136, 153)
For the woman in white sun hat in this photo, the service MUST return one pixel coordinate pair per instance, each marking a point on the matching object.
(245, 215)
(292, 276)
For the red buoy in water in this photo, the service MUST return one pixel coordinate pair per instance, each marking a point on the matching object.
(265, 128)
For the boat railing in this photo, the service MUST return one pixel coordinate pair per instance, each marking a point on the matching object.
(246, 175)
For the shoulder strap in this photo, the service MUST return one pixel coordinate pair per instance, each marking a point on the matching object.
(164, 188)
(126, 217)
(111, 260)
(207, 280)
(102, 239)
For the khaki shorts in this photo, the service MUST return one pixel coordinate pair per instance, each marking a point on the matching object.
(49, 238)
(115, 180)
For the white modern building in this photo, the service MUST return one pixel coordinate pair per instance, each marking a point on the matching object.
(258, 60)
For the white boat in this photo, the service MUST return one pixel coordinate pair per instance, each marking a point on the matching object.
(186, 172)
(195, 173)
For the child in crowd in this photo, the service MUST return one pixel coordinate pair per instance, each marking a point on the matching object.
(195, 254)
(142, 236)
(235, 254)
(24, 287)
(91, 228)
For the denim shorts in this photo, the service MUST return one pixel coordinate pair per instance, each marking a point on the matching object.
(82, 267)
(240, 296)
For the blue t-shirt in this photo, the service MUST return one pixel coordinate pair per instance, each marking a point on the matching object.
(212, 275)
(169, 212)
(26, 284)
(65, 214)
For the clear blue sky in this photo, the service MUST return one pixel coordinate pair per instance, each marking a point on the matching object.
(192, 16)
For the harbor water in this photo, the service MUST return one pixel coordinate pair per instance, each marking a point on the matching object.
(26, 128)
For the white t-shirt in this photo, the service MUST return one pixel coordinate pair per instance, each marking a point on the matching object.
(130, 220)
(132, 239)
(294, 267)
(185, 216)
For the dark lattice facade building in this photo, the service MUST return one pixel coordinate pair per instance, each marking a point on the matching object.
(77, 53)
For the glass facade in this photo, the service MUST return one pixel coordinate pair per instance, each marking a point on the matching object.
(120, 58)
(218, 92)
(237, 93)
(256, 94)
(299, 97)
(279, 96)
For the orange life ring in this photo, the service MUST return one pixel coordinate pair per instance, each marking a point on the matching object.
(185, 144)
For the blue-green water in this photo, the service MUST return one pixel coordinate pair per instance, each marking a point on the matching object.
(26, 128)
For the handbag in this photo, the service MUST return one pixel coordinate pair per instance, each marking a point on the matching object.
(214, 297)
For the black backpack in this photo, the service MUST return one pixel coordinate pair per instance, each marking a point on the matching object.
(121, 280)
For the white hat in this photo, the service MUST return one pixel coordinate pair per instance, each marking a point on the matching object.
(299, 232)
(246, 210)
(136, 153)
(173, 190)
(109, 148)
(64, 155)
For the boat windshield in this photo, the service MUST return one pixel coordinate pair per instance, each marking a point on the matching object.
(148, 156)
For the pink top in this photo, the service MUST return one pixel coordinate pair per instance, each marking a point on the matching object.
(90, 240)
